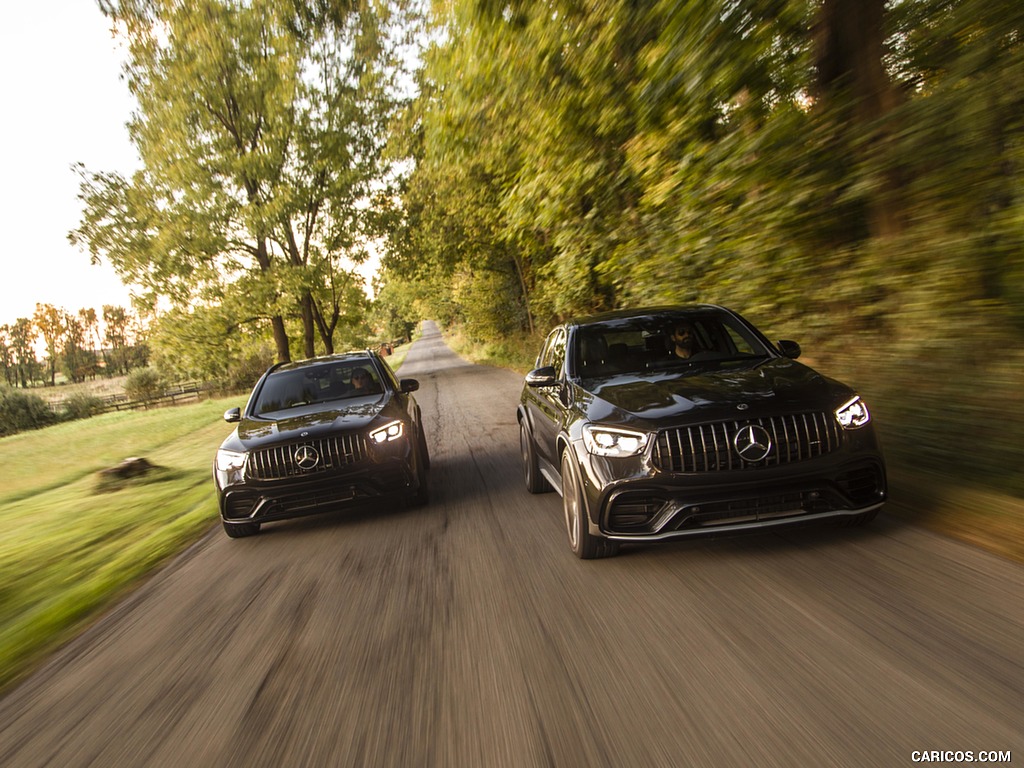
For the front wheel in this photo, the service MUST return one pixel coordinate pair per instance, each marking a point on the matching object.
(422, 493)
(535, 482)
(582, 542)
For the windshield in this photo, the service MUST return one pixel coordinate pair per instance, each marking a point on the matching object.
(287, 389)
(665, 341)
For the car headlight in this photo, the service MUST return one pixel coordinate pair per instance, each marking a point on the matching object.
(228, 461)
(853, 414)
(391, 431)
(613, 441)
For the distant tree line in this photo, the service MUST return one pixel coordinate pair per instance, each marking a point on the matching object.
(79, 345)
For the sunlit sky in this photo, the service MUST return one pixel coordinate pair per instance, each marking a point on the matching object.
(63, 102)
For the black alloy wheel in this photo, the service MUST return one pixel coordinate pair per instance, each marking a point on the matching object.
(535, 482)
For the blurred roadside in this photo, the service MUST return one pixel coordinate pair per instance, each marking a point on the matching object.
(981, 517)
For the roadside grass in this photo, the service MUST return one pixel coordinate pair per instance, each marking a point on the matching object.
(52, 457)
(72, 542)
(69, 547)
(516, 352)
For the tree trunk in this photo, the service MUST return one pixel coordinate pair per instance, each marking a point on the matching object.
(308, 330)
(284, 354)
(855, 88)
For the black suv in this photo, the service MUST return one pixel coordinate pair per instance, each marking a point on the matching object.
(681, 421)
(319, 434)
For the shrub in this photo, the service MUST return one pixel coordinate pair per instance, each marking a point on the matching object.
(81, 405)
(20, 411)
(143, 384)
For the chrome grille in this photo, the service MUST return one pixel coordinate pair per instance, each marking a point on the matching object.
(710, 447)
(279, 462)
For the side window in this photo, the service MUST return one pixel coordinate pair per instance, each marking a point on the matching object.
(554, 351)
(557, 354)
(740, 343)
(389, 375)
(545, 356)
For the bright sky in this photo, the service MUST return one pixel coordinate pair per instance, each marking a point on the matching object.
(63, 102)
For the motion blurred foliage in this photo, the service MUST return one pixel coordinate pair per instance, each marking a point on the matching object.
(845, 172)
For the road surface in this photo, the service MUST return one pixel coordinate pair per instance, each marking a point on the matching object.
(466, 634)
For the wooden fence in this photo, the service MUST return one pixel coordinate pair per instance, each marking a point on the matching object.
(169, 396)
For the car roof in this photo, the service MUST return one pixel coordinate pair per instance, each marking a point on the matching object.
(621, 314)
(341, 357)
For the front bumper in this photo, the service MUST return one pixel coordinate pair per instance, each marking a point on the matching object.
(259, 502)
(658, 505)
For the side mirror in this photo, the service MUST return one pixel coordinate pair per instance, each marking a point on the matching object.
(409, 385)
(541, 377)
(232, 415)
(789, 349)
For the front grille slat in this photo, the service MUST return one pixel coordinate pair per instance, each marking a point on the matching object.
(710, 447)
(279, 462)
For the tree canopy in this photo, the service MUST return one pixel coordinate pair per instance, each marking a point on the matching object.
(260, 127)
(847, 169)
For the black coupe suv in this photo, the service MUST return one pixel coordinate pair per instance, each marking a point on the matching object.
(320, 434)
(682, 421)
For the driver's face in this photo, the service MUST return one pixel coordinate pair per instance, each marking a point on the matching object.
(683, 334)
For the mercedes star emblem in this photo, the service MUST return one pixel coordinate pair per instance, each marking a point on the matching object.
(753, 443)
(306, 457)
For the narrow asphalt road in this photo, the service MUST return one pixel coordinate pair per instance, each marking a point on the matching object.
(466, 634)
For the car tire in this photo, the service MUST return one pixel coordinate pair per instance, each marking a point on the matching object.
(424, 453)
(421, 495)
(535, 482)
(241, 530)
(582, 542)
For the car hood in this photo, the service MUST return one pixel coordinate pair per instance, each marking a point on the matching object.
(311, 421)
(711, 391)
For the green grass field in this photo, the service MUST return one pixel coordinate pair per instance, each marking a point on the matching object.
(72, 544)
(69, 546)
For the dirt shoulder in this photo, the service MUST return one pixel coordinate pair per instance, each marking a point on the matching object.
(977, 516)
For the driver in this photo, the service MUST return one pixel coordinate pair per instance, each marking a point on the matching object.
(684, 339)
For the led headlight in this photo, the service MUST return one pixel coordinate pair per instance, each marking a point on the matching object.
(228, 461)
(613, 441)
(390, 431)
(853, 414)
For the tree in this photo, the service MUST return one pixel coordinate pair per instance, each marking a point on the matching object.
(49, 322)
(258, 127)
(6, 356)
(91, 329)
(77, 361)
(22, 338)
